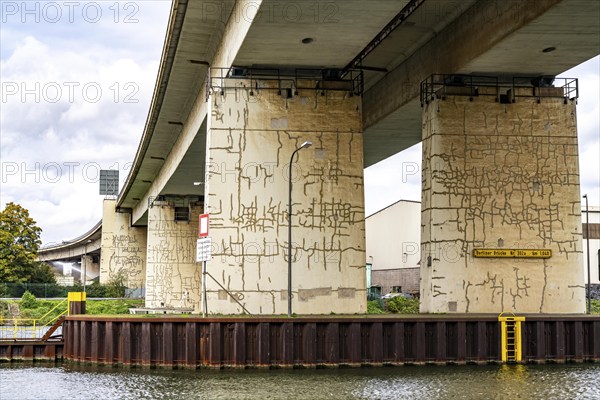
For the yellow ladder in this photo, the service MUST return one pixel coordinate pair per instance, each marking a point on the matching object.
(510, 327)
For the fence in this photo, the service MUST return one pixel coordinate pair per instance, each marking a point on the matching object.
(52, 290)
(39, 290)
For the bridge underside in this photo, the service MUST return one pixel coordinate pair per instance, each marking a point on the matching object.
(202, 142)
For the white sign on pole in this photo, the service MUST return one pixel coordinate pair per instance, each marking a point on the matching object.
(203, 247)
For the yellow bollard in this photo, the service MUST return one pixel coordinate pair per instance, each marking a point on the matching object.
(76, 303)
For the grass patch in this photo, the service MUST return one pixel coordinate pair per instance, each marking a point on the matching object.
(595, 306)
(31, 308)
(112, 307)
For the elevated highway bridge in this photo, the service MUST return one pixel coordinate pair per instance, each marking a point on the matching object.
(84, 249)
(242, 84)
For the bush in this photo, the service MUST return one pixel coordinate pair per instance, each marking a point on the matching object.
(115, 287)
(402, 305)
(3, 309)
(96, 290)
(28, 300)
(375, 307)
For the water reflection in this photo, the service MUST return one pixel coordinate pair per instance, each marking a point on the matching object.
(450, 382)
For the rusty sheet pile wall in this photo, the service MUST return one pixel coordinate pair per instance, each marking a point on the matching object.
(18, 350)
(313, 342)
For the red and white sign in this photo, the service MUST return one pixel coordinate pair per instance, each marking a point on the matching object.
(203, 226)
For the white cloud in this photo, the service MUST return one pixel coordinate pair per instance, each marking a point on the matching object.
(75, 100)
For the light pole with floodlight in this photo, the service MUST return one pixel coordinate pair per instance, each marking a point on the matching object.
(302, 146)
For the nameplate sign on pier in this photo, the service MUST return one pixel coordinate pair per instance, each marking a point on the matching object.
(512, 253)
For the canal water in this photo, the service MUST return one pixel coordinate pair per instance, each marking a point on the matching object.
(66, 381)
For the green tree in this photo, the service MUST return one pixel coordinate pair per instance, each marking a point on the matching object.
(42, 273)
(19, 243)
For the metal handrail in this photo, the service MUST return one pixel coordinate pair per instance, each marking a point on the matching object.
(24, 325)
(438, 86)
(292, 80)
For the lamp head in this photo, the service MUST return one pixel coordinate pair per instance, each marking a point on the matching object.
(306, 144)
(585, 196)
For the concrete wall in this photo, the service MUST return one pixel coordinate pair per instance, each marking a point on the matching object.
(172, 276)
(394, 236)
(501, 175)
(123, 247)
(407, 278)
(250, 141)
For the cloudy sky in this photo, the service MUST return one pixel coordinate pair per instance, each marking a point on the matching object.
(77, 80)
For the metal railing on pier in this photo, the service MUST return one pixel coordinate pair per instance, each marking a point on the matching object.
(32, 328)
(505, 90)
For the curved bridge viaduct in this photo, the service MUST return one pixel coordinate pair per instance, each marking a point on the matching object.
(243, 84)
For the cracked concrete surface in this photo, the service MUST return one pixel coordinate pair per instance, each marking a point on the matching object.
(501, 175)
(123, 248)
(250, 139)
(173, 278)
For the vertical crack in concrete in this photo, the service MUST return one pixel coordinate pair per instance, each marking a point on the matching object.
(543, 297)
(466, 286)
(521, 287)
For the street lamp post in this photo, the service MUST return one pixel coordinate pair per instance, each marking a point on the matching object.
(289, 293)
(589, 274)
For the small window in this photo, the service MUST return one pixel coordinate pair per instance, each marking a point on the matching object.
(182, 214)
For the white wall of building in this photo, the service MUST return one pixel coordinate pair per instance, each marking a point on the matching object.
(394, 236)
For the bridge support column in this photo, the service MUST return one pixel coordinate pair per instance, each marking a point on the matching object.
(89, 267)
(251, 136)
(501, 177)
(123, 248)
(172, 274)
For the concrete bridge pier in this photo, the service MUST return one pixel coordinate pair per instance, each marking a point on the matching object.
(173, 278)
(253, 128)
(500, 172)
(123, 247)
(160, 257)
(89, 268)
